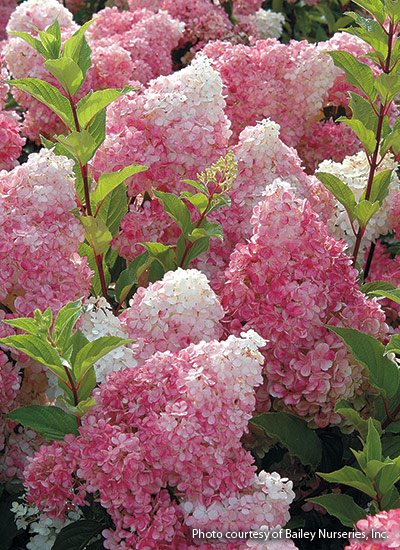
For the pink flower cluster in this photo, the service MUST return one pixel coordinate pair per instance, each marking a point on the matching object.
(387, 524)
(146, 36)
(247, 7)
(177, 128)
(327, 139)
(162, 449)
(285, 82)
(20, 443)
(10, 383)
(11, 141)
(203, 21)
(261, 157)
(288, 283)
(6, 9)
(35, 222)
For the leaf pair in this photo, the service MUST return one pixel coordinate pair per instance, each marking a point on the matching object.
(69, 356)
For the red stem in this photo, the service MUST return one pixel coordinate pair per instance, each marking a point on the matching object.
(84, 173)
(99, 263)
(74, 392)
(391, 417)
(374, 164)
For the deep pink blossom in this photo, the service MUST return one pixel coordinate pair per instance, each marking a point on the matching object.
(288, 283)
(384, 523)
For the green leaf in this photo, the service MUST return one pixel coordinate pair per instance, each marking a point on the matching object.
(199, 200)
(365, 210)
(208, 230)
(375, 58)
(391, 499)
(200, 246)
(372, 447)
(367, 137)
(362, 110)
(380, 410)
(374, 7)
(196, 184)
(371, 32)
(391, 141)
(360, 457)
(294, 434)
(78, 49)
(47, 94)
(344, 408)
(351, 477)
(395, 53)
(90, 105)
(129, 276)
(156, 271)
(97, 128)
(78, 341)
(373, 468)
(219, 201)
(37, 349)
(93, 351)
(388, 86)
(49, 421)
(114, 207)
(85, 388)
(176, 209)
(34, 42)
(77, 535)
(391, 446)
(65, 321)
(340, 506)
(108, 182)
(383, 373)
(394, 344)
(393, 294)
(392, 9)
(80, 144)
(26, 323)
(52, 43)
(380, 187)
(340, 190)
(342, 23)
(96, 233)
(165, 255)
(54, 30)
(374, 286)
(388, 476)
(125, 282)
(358, 74)
(67, 72)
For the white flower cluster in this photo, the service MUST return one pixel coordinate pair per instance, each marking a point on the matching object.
(354, 171)
(43, 529)
(269, 23)
(40, 14)
(99, 321)
(174, 312)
